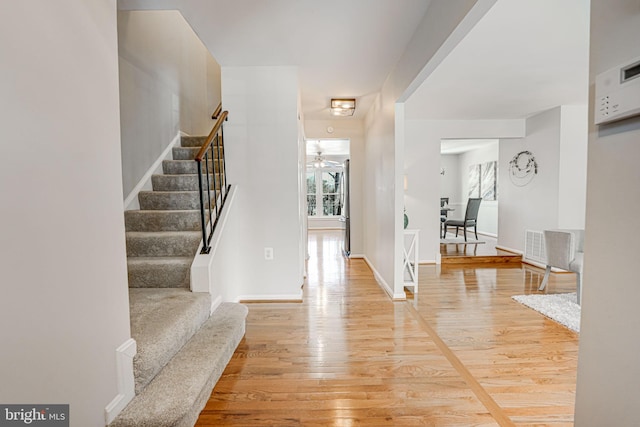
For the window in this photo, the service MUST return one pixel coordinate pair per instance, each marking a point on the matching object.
(324, 191)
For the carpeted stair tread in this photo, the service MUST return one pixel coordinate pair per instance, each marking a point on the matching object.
(162, 220)
(162, 243)
(192, 141)
(170, 200)
(162, 321)
(180, 391)
(183, 182)
(177, 167)
(159, 272)
(189, 153)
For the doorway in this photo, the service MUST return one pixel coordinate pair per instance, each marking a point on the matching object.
(327, 187)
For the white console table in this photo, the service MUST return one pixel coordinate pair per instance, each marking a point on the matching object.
(410, 258)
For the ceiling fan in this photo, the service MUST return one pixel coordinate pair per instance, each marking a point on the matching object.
(320, 162)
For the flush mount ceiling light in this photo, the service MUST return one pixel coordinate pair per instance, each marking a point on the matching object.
(343, 106)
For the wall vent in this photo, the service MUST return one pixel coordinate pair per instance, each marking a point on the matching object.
(534, 246)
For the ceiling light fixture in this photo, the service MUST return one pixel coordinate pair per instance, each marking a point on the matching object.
(343, 106)
(319, 161)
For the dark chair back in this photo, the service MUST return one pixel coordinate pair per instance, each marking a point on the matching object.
(473, 206)
(444, 201)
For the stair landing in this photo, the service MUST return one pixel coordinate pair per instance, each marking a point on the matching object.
(482, 253)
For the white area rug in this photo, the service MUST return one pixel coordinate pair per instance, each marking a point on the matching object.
(561, 308)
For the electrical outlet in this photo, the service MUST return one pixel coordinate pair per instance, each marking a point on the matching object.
(268, 254)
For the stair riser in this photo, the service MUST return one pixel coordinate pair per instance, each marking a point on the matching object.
(188, 200)
(188, 153)
(168, 275)
(162, 220)
(182, 182)
(177, 167)
(184, 244)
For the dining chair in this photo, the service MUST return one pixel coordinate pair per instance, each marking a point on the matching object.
(470, 218)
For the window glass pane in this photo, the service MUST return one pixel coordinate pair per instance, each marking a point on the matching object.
(311, 204)
(311, 182)
(330, 182)
(331, 204)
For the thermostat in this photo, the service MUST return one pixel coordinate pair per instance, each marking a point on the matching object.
(618, 93)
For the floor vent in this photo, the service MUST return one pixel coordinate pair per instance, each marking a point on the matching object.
(534, 246)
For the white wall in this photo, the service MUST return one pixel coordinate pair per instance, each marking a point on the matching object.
(262, 154)
(385, 132)
(488, 213)
(450, 185)
(556, 138)
(354, 131)
(572, 191)
(379, 193)
(422, 166)
(64, 306)
(169, 82)
(608, 386)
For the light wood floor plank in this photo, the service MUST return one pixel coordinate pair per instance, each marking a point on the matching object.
(462, 353)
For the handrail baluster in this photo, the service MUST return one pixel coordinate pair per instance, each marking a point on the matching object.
(213, 147)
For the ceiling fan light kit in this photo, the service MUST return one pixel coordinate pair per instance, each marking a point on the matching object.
(320, 162)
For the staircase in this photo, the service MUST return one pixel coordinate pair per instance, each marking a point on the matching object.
(182, 350)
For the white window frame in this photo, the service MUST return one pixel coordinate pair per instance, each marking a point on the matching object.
(319, 190)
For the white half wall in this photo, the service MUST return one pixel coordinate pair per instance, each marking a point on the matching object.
(608, 385)
(64, 309)
(262, 157)
(169, 82)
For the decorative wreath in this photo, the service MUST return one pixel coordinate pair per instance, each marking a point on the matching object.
(523, 168)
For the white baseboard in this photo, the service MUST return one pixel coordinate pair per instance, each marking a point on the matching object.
(125, 380)
(427, 261)
(383, 283)
(270, 298)
(131, 201)
(484, 233)
(536, 264)
(505, 248)
(316, 228)
(215, 303)
(356, 256)
(529, 261)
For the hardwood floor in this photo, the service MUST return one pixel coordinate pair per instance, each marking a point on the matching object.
(462, 353)
(485, 253)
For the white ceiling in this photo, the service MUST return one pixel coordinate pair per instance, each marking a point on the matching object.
(328, 147)
(523, 57)
(458, 146)
(343, 48)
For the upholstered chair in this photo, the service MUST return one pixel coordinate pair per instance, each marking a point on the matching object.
(565, 250)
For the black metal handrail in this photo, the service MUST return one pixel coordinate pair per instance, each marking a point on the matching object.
(214, 180)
